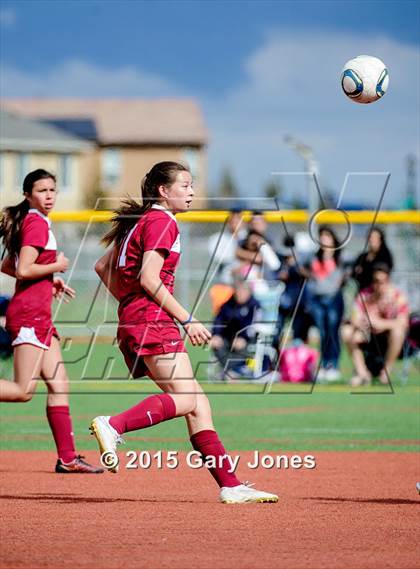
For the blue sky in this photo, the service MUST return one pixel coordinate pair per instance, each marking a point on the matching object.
(260, 70)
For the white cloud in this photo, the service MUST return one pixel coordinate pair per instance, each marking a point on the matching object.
(82, 79)
(291, 85)
(8, 17)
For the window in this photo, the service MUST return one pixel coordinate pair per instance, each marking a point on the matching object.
(65, 172)
(111, 166)
(22, 168)
(191, 157)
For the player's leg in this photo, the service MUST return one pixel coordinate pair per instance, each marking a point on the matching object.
(173, 374)
(205, 440)
(53, 372)
(176, 378)
(203, 435)
(27, 360)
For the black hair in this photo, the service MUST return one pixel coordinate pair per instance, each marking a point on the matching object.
(384, 249)
(321, 252)
(381, 267)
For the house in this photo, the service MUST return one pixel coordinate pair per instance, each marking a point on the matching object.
(130, 136)
(27, 144)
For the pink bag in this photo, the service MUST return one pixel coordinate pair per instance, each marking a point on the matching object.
(298, 363)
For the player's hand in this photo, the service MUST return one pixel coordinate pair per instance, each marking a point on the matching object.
(197, 333)
(62, 291)
(62, 263)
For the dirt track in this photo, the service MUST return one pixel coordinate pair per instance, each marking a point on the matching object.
(353, 511)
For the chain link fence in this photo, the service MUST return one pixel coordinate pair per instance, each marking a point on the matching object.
(195, 275)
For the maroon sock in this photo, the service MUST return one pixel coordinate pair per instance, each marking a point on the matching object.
(209, 444)
(60, 424)
(151, 411)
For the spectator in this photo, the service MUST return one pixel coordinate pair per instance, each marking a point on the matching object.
(257, 249)
(377, 252)
(378, 328)
(292, 301)
(325, 301)
(262, 262)
(258, 223)
(232, 328)
(222, 248)
(6, 349)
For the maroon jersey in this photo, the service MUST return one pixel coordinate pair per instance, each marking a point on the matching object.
(31, 303)
(157, 230)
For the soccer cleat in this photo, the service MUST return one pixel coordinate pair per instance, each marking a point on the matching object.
(244, 494)
(108, 439)
(76, 466)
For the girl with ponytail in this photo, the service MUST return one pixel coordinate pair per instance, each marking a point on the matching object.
(139, 270)
(32, 259)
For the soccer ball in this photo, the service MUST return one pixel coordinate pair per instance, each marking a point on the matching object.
(364, 79)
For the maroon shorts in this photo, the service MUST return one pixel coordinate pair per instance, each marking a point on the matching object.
(34, 334)
(147, 339)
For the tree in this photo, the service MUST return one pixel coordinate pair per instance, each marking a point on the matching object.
(273, 190)
(227, 187)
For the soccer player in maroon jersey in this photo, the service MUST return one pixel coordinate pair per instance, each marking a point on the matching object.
(32, 259)
(139, 270)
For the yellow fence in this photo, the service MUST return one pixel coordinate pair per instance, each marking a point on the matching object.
(291, 216)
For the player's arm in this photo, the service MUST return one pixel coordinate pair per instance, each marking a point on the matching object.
(151, 282)
(8, 267)
(28, 269)
(106, 269)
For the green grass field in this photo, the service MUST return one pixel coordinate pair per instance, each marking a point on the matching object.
(289, 418)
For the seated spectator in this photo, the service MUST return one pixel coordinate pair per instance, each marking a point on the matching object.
(325, 301)
(377, 252)
(232, 328)
(378, 327)
(292, 301)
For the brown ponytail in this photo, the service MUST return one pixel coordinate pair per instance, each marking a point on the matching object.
(127, 215)
(12, 217)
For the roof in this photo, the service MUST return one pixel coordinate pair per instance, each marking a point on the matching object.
(25, 135)
(125, 121)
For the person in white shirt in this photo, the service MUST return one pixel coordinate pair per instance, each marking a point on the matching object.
(222, 247)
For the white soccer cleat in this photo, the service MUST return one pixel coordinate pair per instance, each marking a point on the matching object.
(244, 494)
(108, 439)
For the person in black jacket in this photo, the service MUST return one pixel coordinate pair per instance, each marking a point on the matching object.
(6, 349)
(377, 252)
(232, 328)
